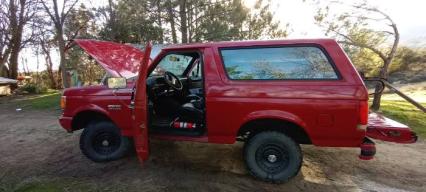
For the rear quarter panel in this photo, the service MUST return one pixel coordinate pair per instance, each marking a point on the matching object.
(326, 109)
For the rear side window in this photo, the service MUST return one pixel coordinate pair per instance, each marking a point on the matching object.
(277, 63)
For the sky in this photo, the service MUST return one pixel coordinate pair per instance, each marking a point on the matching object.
(409, 15)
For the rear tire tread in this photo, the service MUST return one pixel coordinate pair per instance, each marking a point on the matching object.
(263, 137)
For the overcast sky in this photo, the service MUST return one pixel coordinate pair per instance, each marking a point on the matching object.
(409, 15)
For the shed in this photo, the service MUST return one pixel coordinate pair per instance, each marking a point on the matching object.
(5, 85)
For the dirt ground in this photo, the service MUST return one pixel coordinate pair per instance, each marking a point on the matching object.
(35, 149)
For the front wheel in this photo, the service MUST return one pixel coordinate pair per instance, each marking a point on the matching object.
(273, 157)
(102, 141)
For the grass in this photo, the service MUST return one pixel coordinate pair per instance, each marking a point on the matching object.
(46, 101)
(52, 185)
(17, 182)
(40, 187)
(49, 100)
(46, 184)
(405, 113)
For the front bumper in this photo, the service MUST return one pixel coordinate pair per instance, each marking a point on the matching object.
(66, 123)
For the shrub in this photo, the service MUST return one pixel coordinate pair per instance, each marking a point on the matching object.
(34, 88)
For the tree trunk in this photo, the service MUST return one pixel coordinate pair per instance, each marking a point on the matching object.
(13, 65)
(189, 23)
(183, 21)
(17, 26)
(59, 79)
(378, 95)
(14, 55)
(384, 71)
(61, 43)
(159, 20)
(49, 66)
(112, 21)
(3, 67)
(171, 20)
(25, 67)
(4, 71)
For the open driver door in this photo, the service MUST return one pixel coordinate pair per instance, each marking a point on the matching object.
(140, 110)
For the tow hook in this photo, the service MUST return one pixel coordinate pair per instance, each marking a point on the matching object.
(368, 149)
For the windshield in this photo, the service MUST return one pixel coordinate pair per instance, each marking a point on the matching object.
(156, 49)
(175, 63)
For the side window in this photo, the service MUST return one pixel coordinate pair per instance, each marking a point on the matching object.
(277, 63)
(175, 63)
(196, 73)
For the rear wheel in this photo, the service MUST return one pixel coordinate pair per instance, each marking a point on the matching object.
(102, 141)
(272, 156)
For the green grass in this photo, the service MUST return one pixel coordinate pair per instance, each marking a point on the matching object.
(49, 100)
(40, 187)
(405, 113)
(55, 185)
(51, 185)
(46, 101)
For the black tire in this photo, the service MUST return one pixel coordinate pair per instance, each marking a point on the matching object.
(102, 141)
(273, 157)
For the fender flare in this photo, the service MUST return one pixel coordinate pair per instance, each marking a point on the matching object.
(276, 114)
(90, 107)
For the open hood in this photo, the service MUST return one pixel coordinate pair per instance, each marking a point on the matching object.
(120, 60)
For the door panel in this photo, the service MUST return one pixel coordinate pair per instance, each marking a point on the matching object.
(139, 116)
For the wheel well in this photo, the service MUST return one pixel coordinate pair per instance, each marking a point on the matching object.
(291, 129)
(82, 119)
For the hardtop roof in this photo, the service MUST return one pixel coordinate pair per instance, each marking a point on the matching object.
(224, 44)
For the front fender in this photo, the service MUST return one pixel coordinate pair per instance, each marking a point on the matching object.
(91, 107)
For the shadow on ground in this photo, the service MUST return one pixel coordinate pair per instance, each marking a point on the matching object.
(37, 155)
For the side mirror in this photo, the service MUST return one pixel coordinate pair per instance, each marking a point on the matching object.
(117, 83)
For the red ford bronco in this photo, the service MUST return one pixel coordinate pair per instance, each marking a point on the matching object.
(273, 95)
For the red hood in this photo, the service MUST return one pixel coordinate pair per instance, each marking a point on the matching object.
(119, 60)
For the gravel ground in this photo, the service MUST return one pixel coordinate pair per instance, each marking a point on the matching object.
(34, 149)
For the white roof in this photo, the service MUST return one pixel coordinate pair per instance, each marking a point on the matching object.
(4, 80)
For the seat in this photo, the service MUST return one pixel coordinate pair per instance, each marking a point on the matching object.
(192, 111)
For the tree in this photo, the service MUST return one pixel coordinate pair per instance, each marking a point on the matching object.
(46, 46)
(4, 38)
(260, 23)
(108, 14)
(81, 23)
(15, 16)
(211, 20)
(130, 21)
(187, 21)
(58, 16)
(364, 27)
(170, 18)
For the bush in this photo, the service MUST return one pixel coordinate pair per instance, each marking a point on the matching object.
(34, 88)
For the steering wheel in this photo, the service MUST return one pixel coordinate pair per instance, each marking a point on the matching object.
(173, 81)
